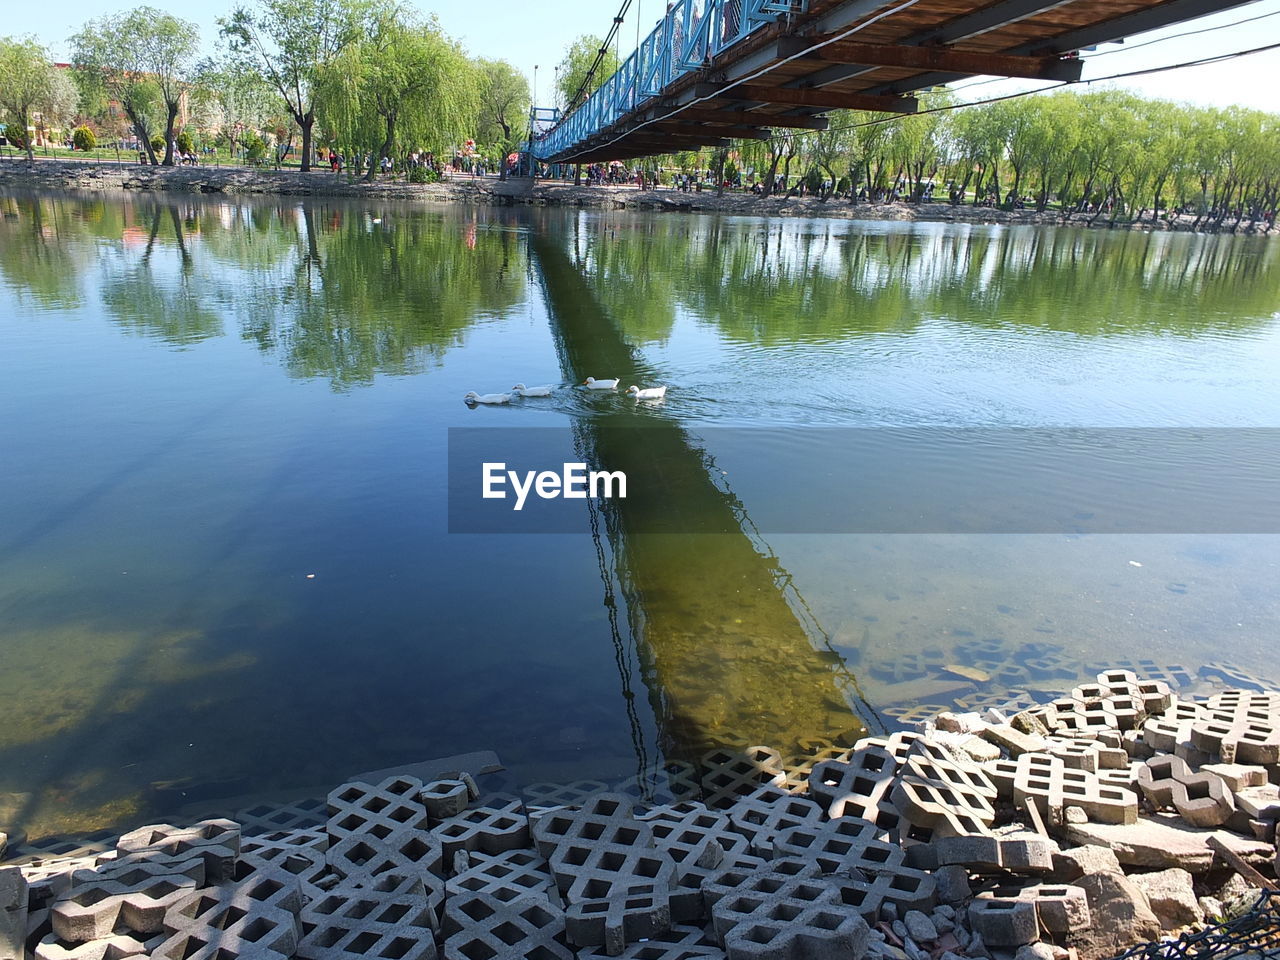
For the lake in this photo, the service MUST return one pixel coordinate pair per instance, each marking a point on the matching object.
(236, 545)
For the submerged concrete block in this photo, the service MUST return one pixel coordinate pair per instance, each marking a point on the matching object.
(730, 774)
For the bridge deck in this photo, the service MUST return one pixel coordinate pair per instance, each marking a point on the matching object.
(718, 69)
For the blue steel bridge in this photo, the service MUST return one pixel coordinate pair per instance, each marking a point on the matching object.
(715, 70)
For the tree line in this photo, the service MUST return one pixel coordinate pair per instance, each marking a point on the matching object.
(1108, 153)
(373, 78)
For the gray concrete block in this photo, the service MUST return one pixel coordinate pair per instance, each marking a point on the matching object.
(444, 798)
(730, 774)
(1200, 798)
(309, 813)
(409, 852)
(217, 842)
(376, 810)
(14, 898)
(784, 915)
(519, 872)
(764, 814)
(1004, 923)
(499, 825)
(478, 925)
(631, 914)
(699, 840)
(116, 947)
(858, 786)
(135, 901)
(602, 818)
(839, 845)
(299, 852)
(681, 942)
(367, 923)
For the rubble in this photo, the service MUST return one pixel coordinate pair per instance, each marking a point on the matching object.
(1094, 820)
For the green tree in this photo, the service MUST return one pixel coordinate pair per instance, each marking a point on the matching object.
(28, 84)
(82, 138)
(294, 43)
(504, 105)
(143, 56)
(576, 82)
(232, 100)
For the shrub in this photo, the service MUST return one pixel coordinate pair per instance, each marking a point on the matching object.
(82, 138)
(254, 147)
(157, 143)
(185, 143)
(423, 175)
(17, 138)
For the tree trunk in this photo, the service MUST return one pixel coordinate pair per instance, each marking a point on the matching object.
(383, 151)
(305, 121)
(171, 116)
(774, 160)
(30, 140)
(577, 174)
(140, 131)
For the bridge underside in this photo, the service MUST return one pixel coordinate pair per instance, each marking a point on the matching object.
(782, 75)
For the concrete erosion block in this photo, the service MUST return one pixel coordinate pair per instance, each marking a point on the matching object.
(1047, 782)
(269, 818)
(673, 782)
(217, 842)
(135, 902)
(366, 923)
(498, 826)
(14, 899)
(761, 816)
(588, 871)
(1027, 855)
(697, 838)
(1242, 739)
(1076, 862)
(681, 942)
(444, 798)
(1200, 798)
(779, 915)
(378, 810)
(1014, 741)
(633, 913)
(858, 786)
(838, 845)
(979, 854)
(519, 872)
(299, 852)
(479, 925)
(1004, 923)
(407, 852)
(1260, 803)
(116, 947)
(730, 774)
(1061, 908)
(1237, 776)
(255, 918)
(603, 818)
(49, 879)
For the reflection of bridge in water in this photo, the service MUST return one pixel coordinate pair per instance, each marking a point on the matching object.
(718, 69)
(727, 647)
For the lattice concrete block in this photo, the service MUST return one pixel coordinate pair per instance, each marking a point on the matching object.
(255, 918)
(217, 842)
(299, 853)
(1060, 908)
(787, 917)
(116, 947)
(135, 901)
(1200, 798)
(604, 818)
(518, 872)
(587, 871)
(696, 838)
(763, 815)
(271, 818)
(728, 774)
(480, 926)
(681, 942)
(1004, 923)
(575, 793)
(365, 923)
(49, 879)
(1046, 781)
(376, 810)
(838, 845)
(1163, 734)
(673, 782)
(1242, 739)
(859, 786)
(409, 852)
(445, 798)
(498, 826)
(635, 913)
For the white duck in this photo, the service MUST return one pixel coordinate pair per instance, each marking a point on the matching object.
(543, 391)
(591, 383)
(473, 398)
(648, 393)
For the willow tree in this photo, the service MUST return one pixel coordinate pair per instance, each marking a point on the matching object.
(504, 103)
(28, 84)
(294, 44)
(403, 84)
(142, 56)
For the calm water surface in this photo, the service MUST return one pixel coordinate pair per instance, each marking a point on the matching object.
(224, 554)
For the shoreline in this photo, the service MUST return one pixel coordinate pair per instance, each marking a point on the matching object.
(86, 176)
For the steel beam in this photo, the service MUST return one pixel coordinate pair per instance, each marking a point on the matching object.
(744, 117)
(801, 97)
(932, 58)
(984, 21)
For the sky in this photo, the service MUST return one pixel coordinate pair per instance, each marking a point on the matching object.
(533, 35)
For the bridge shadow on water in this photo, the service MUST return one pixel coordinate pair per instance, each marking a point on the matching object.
(728, 650)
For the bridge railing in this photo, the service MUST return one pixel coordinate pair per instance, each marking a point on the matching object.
(691, 33)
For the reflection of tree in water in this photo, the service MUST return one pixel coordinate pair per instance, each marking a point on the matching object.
(322, 287)
(782, 282)
(368, 298)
